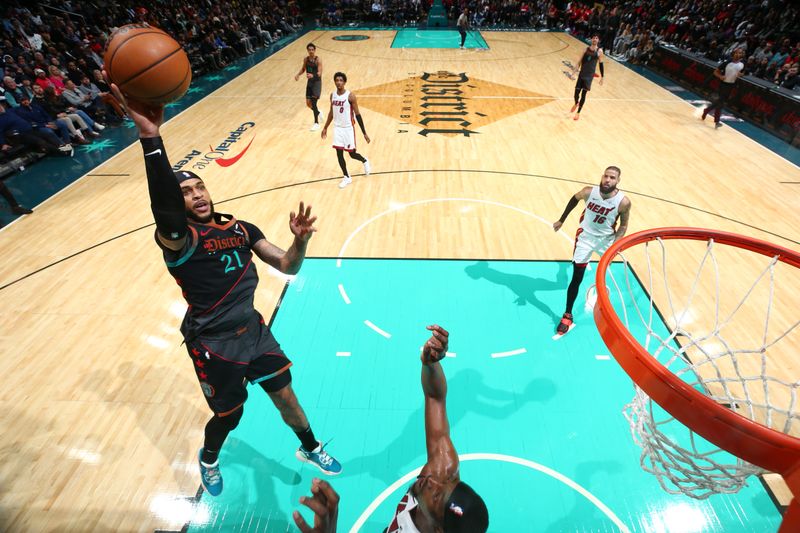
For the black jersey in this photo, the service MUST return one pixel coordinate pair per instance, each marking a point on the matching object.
(216, 273)
(589, 63)
(312, 68)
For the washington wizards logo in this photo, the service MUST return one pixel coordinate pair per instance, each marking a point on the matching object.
(208, 390)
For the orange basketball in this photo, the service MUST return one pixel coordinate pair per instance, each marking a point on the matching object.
(147, 64)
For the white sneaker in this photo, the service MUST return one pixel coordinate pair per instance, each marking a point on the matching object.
(315, 126)
(347, 180)
(367, 168)
(98, 126)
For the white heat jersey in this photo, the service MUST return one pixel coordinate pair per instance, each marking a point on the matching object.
(342, 111)
(599, 218)
(402, 522)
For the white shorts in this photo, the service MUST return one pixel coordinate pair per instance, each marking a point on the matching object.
(586, 243)
(344, 139)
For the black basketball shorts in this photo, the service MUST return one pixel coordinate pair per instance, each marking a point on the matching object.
(224, 363)
(313, 89)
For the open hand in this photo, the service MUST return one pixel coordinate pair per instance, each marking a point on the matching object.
(436, 347)
(557, 225)
(302, 223)
(325, 503)
(147, 117)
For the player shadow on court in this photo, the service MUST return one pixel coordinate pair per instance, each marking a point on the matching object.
(467, 394)
(524, 287)
(251, 494)
(585, 515)
(127, 384)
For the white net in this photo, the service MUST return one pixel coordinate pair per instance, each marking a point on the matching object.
(725, 321)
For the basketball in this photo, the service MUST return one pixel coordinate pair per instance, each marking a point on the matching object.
(147, 64)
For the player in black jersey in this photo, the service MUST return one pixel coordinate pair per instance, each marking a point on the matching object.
(586, 68)
(312, 67)
(210, 255)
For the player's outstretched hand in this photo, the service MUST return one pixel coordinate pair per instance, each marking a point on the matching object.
(302, 223)
(325, 503)
(366, 138)
(147, 117)
(436, 347)
(324, 132)
(557, 225)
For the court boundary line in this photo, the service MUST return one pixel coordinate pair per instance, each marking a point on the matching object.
(556, 34)
(413, 171)
(291, 40)
(625, 65)
(476, 456)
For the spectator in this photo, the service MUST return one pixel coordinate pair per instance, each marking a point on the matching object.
(787, 77)
(43, 81)
(14, 130)
(56, 106)
(56, 77)
(14, 92)
(104, 92)
(41, 120)
(81, 99)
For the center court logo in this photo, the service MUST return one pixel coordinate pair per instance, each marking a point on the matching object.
(448, 103)
(225, 154)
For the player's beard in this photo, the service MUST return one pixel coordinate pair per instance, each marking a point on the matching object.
(608, 190)
(202, 220)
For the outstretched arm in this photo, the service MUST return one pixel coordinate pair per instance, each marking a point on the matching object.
(166, 198)
(325, 503)
(289, 261)
(442, 457)
(582, 194)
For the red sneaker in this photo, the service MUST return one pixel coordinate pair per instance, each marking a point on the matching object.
(566, 322)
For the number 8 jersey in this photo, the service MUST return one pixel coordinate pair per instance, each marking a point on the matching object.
(600, 216)
(216, 273)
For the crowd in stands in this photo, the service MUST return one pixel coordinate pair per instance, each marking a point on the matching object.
(767, 30)
(53, 95)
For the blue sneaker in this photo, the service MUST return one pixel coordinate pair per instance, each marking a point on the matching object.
(210, 476)
(320, 458)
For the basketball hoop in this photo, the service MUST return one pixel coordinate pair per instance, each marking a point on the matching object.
(698, 357)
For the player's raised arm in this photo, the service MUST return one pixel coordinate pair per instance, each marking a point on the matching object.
(442, 457)
(166, 198)
(582, 194)
(289, 261)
